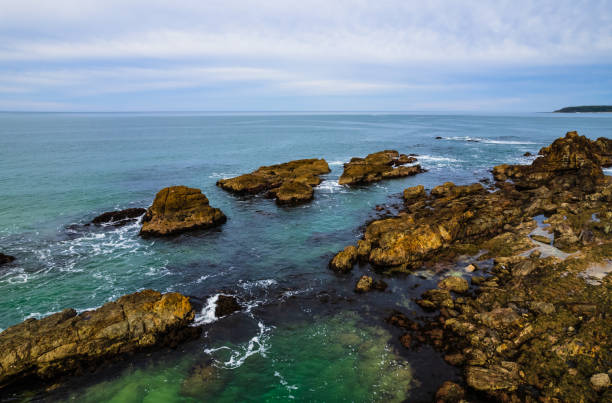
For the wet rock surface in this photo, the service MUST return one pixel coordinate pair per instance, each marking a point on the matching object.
(119, 217)
(6, 259)
(375, 167)
(226, 305)
(67, 342)
(288, 183)
(179, 209)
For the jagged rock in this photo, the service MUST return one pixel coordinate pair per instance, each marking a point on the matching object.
(376, 167)
(455, 284)
(290, 183)
(364, 284)
(178, 209)
(6, 259)
(436, 298)
(406, 340)
(527, 154)
(500, 318)
(414, 193)
(66, 342)
(119, 217)
(572, 159)
(226, 305)
(344, 260)
(494, 378)
(449, 392)
(379, 285)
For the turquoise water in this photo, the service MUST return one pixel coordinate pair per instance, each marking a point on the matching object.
(305, 335)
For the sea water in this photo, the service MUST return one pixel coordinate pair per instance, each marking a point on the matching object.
(304, 334)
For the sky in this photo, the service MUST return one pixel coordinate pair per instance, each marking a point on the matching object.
(308, 55)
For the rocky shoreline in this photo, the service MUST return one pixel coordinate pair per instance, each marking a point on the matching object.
(535, 324)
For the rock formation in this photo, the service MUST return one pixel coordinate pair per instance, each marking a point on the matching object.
(178, 209)
(378, 166)
(119, 217)
(67, 342)
(536, 328)
(289, 183)
(226, 305)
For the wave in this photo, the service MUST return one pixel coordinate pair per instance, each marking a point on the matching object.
(434, 158)
(336, 163)
(331, 186)
(486, 141)
(207, 315)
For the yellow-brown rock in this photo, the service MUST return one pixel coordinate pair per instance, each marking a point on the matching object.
(378, 166)
(289, 183)
(65, 342)
(178, 209)
(344, 260)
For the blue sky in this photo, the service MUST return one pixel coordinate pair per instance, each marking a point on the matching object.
(108, 55)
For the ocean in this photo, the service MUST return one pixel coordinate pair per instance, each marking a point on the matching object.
(304, 334)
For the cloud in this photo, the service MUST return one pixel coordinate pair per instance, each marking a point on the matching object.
(275, 48)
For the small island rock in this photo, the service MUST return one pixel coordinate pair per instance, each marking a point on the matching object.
(119, 217)
(178, 209)
(6, 259)
(378, 166)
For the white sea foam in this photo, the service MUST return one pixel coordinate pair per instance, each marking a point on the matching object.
(258, 344)
(208, 312)
(330, 186)
(607, 171)
(247, 285)
(284, 382)
(435, 158)
(487, 141)
(336, 163)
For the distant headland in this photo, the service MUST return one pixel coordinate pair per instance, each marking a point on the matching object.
(587, 108)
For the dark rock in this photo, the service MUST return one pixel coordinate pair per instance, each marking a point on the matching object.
(379, 285)
(226, 305)
(527, 154)
(439, 138)
(6, 259)
(119, 217)
(179, 209)
(66, 342)
(454, 284)
(449, 392)
(406, 340)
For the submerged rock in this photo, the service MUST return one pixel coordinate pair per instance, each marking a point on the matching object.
(6, 259)
(600, 381)
(378, 166)
(178, 209)
(226, 305)
(449, 392)
(289, 183)
(119, 217)
(67, 342)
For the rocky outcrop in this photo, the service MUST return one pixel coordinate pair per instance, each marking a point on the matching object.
(67, 342)
(6, 259)
(289, 183)
(573, 160)
(178, 209)
(378, 166)
(453, 219)
(119, 217)
(364, 284)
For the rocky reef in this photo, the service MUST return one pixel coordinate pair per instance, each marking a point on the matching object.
(67, 342)
(289, 183)
(119, 217)
(375, 167)
(534, 325)
(6, 258)
(178, 209)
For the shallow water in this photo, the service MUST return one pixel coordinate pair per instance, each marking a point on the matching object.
(305, 334)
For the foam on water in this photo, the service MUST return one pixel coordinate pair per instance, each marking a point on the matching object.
(258, 344)
(486, 140)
